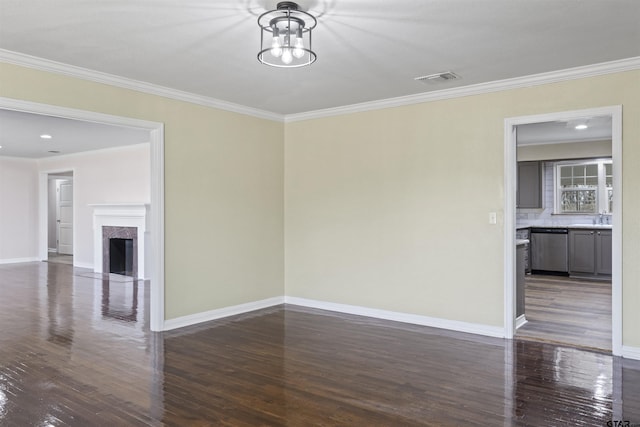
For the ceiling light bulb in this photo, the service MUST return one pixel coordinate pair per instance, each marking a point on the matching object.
(45, 136)
(581, 127)
(276, 49)
(287, 57)
(298, 48)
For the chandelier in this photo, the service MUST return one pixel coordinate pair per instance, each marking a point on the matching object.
(285, 36)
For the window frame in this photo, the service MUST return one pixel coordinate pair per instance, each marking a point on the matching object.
(602, 191)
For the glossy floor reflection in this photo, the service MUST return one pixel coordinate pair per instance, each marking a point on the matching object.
(75, 349)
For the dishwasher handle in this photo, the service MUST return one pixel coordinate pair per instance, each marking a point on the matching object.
(550, 230)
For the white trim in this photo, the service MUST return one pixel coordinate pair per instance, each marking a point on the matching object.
(33, 62)
(36, 63)
(618, 66)
(156, 221)
(18, 260)
(53, 250)
(510, 212)
(83, 265)
(510, 181)
(520, 321)
(207, 316)
(616, 254)
(629, 352)
(453, 325)
(156, 134)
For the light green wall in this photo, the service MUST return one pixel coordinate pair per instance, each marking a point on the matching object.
(389, 209)
(223, 188)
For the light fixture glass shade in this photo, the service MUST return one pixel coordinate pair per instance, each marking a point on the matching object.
(285, 37)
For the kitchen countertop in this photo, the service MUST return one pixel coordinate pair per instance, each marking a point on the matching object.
(520, 242)
(574, 226)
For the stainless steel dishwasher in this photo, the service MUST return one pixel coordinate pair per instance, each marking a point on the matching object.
(549, 250)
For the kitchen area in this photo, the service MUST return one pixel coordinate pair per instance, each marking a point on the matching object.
(564, 205)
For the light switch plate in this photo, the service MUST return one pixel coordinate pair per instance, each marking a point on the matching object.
(493, 218)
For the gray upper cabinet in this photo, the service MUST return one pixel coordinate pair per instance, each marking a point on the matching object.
(590, 253)
(529, 193)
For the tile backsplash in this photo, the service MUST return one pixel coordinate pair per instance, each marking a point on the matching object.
(546, 216)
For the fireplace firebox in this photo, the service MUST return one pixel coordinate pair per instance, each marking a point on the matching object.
(120, 250)
(121, 256)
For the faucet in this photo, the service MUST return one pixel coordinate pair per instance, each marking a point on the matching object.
(601, 217)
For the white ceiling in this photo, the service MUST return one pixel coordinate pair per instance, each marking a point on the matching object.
(598, 129)
(20, 135)
(368, 50)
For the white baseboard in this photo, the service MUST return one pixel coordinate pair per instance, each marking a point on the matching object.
(53, 250)
(454, 325)
(192, 319)
(18, 260)
(520, 321)
(83, 265)
(629, 352)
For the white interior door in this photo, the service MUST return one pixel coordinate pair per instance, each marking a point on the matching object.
(65, 217)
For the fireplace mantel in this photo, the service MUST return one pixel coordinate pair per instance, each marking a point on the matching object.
(121, 215)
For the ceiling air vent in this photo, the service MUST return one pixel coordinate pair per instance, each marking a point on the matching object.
(438, 78)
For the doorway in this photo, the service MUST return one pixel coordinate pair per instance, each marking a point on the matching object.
(60, 230)
(511, 124)
(156, 138)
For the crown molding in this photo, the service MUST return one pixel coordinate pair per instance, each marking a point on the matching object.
(618, 66)
(29, 61)
(33, 62)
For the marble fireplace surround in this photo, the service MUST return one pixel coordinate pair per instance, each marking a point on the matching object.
(128, 221)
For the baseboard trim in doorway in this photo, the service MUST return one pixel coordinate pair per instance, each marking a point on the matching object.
(629, 352)
(520, 321)
(18, 260)
(206, 316)
(83, 265)
(434, 322)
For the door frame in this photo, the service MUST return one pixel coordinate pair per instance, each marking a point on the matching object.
(156, 138)
(59, 182)
(510, 167)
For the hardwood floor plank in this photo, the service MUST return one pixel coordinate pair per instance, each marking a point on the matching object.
(75, 350)
(568, 311)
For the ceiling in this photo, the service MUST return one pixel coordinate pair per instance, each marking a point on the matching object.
(367, 50)
(598, 129)
(20, 135)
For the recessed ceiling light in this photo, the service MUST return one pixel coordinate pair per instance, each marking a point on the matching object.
(45, 136)
(581, 127)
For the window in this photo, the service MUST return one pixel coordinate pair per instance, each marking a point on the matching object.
(584, 187)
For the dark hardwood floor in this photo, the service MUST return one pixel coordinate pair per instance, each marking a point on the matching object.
(76, 350)
(568, 311)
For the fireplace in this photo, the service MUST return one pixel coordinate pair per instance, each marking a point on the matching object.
(119, 250)
(120, 239)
